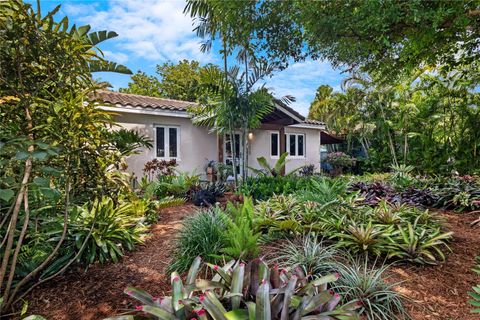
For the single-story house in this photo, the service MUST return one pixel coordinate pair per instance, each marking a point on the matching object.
(168, 124)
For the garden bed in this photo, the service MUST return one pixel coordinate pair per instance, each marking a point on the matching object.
(440, 292)
(98, 292)
(436, 292)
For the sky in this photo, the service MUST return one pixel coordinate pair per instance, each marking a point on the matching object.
(152, 32)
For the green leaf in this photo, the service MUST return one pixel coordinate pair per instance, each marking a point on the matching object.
(40, 155)
(238, 314)
(41, 182)
(24, 308)
(6, 194)
(22, 155)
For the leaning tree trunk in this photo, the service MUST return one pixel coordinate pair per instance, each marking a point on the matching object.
(11, 230)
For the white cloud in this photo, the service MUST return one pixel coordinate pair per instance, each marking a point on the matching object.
(118, 57)
(302, 79)
(153, 30)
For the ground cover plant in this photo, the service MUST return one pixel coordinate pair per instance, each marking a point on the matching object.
(391, 230)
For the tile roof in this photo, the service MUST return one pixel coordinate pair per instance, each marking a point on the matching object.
(314, 122)
(136, 100)
(140, 101)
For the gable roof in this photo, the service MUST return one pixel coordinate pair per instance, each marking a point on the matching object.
(139, 101)
(136, 101)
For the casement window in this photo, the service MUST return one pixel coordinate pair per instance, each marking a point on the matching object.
(295, 144)
(167, 142)
(274, 144)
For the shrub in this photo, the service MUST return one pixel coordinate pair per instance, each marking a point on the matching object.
(157, 167)
(180, 185)
(202, 234)
(307, 170)
(206, 195)
(457, 193)
(390, 230)
(114, 229)
(367, 285)
(244, 291)
(323, 190)
(340, 160)
(262, 188)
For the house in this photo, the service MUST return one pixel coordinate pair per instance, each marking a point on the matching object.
(169, 125)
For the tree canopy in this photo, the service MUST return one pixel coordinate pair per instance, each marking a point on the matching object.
(179, 81)
(384, 38)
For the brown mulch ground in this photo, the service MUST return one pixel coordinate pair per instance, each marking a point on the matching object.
(98, 292)
(440, 292)
(436, 292)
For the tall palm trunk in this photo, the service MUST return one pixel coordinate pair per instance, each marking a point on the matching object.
(231, 128)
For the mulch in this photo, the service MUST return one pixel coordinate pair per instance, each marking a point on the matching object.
(440, 292)
(97, 293)
(434, 292)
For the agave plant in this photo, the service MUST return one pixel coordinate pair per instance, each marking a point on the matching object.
(246, 291)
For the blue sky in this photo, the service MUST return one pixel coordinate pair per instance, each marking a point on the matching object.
(154, 31)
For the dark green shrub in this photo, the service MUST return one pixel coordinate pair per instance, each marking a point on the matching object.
(262, 188)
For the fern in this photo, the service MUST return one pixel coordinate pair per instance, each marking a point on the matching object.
(242, 239)
(168, 202)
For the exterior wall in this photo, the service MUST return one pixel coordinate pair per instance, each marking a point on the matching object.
(196, 144)
(260, 146)
(312, 149)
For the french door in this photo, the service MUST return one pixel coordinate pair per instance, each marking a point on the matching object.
(228, 151)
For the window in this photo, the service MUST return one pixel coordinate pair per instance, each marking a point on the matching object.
(295, 144)
(166, 142)
(274, 144)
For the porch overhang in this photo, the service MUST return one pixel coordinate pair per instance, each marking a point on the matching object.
(327, 138)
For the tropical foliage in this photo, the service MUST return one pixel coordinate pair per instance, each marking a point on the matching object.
(239, 290)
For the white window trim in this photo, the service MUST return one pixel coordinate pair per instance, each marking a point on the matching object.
(167, 141)
(278, 144)
(287, 144)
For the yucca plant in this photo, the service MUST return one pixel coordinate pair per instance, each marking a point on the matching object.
(246, 291)
(419, 244)
(475, 294)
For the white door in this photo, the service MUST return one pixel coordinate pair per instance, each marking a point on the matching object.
(228, 153)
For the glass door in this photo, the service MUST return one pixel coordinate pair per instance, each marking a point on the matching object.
(228, 151)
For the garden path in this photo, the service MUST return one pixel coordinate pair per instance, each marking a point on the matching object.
(98, 292)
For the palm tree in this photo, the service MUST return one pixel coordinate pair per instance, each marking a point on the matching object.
(238, 104)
